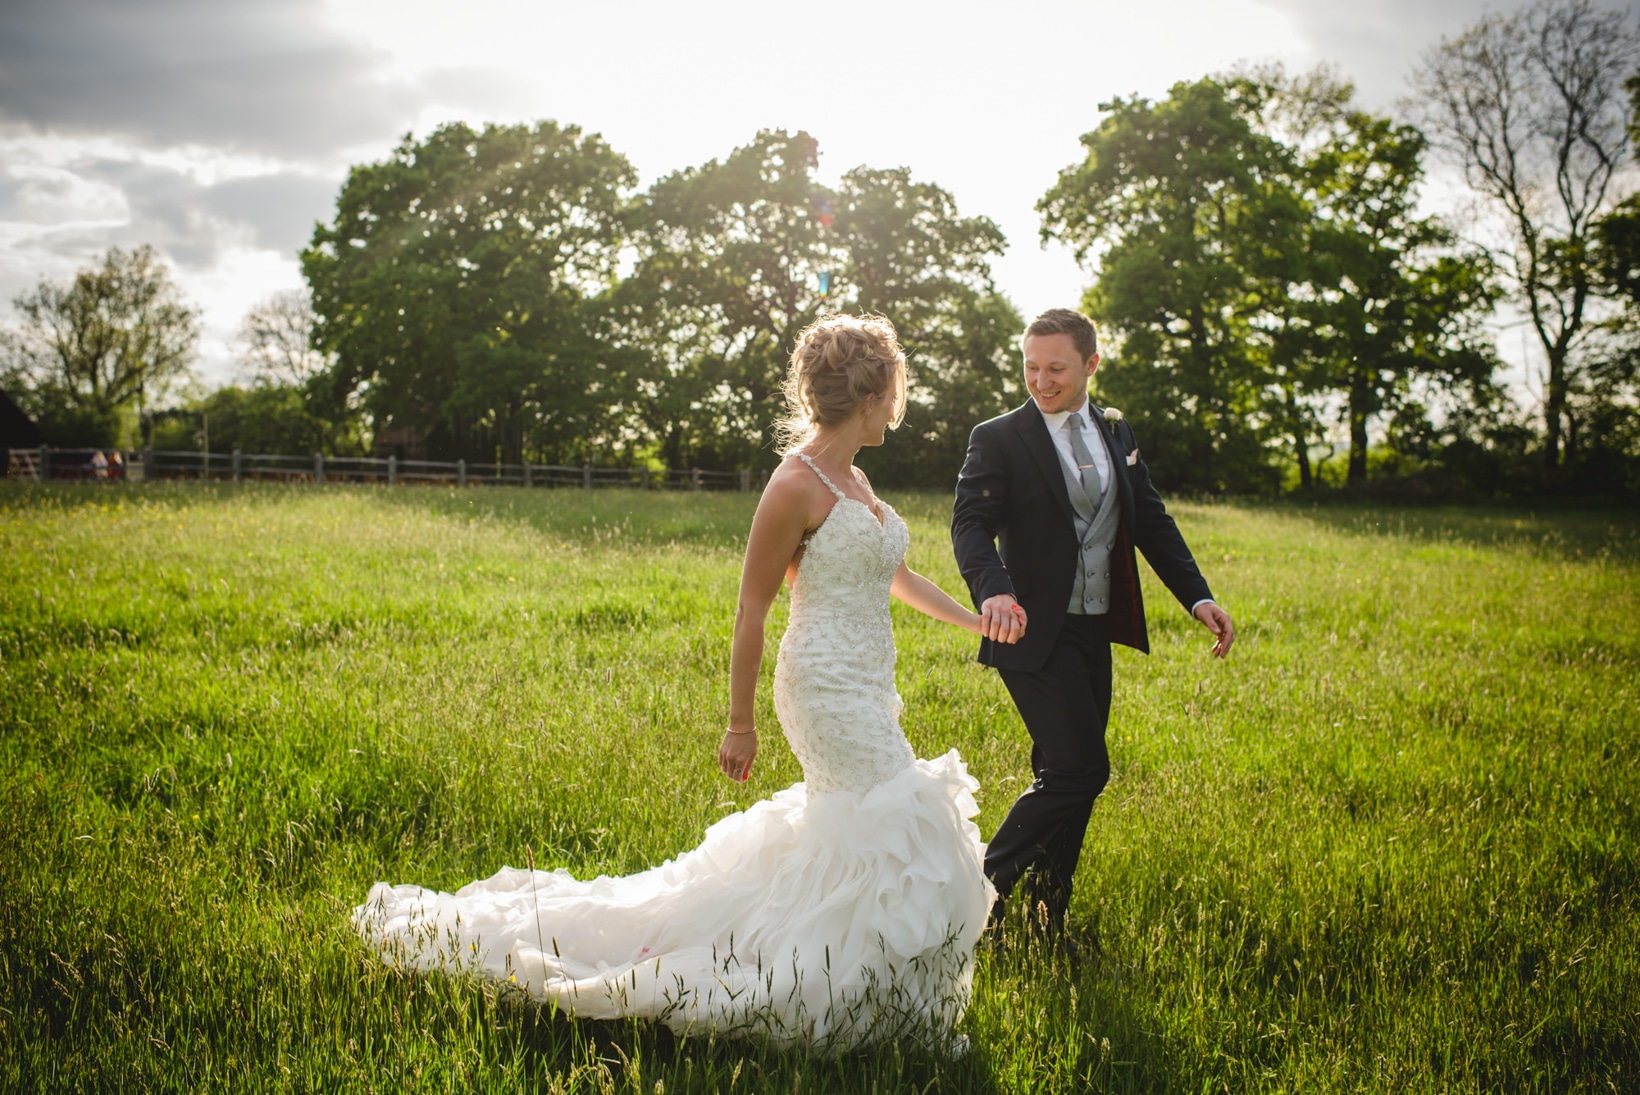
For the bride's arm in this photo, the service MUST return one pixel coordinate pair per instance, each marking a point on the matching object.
(777, 529)
(929, 599)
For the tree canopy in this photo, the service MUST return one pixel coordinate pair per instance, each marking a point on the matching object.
(1271, 289)
(116, 337)
(456, 285)
(1262, 265)
(737, 257)
(1530, 105)
(470, 290)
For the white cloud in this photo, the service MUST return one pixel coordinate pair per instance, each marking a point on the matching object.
(1377, 44)
(256, 76)
(240, 278)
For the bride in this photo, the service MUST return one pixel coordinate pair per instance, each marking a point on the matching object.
(845, 909)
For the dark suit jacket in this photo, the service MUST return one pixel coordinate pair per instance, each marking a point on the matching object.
(1013, 532)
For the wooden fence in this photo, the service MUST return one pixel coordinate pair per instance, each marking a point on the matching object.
(236, 466)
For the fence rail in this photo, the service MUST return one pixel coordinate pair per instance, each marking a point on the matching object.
(236, 466)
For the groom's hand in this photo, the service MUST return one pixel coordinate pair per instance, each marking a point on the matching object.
(1001, 619)
(1217, 620)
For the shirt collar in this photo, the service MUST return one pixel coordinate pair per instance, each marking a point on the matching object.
(1056, 420)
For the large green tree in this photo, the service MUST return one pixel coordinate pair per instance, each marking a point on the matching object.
(1384, 297)
(1262, 264)
(738, 255)
(1605, 398)
(458, 285)
(911, 256)
(118, 335)
(1180, 201)
(731, 255)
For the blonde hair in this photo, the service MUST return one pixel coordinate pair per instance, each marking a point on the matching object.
(839, 362)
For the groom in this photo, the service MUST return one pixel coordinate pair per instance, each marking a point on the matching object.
(1052, 500)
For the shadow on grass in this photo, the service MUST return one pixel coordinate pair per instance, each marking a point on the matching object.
(1567, 534)
(1074, 1032)
(549, 1048)
(722, 518)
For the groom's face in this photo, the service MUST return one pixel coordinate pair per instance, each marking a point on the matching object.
(1055, 374)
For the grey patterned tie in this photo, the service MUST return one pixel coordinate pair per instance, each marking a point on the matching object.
(1086, 470)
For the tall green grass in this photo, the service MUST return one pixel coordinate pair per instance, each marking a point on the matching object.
(1391, 845)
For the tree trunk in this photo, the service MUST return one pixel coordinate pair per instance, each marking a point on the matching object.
(1301, 442)
(512, 436)
(1554, 406)
(1360, 395)
(672, 447)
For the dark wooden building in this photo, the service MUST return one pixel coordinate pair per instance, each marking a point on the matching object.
(17, 430)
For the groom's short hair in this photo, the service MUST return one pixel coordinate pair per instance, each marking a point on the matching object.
(1063, 321)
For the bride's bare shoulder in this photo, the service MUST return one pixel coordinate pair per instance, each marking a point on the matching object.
(794, 486)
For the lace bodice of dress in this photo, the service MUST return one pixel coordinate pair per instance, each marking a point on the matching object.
(834, 678)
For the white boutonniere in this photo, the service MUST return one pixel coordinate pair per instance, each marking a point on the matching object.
(1112, 414)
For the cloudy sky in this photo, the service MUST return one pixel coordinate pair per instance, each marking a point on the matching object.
(220, 130)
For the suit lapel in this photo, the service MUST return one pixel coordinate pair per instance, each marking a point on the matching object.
(1034, 432)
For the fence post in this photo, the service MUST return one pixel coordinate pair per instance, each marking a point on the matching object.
(643, 477)
(586, 477)
(527, 473)
(745, 480)
(694, 478)
(44, 469)
(204, 463)
(148, 465)
(318, 467)
(461, 472)
(237, 457)
(393, 469)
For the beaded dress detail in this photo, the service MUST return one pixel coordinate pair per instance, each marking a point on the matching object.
(842, 911)
(834, 679)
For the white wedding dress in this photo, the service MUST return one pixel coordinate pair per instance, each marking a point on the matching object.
(840, 912)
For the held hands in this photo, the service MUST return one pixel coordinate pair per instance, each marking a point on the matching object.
(736, 753)
(1001, 619)
(1217, 620)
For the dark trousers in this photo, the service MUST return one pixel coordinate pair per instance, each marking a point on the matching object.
(1065, 706)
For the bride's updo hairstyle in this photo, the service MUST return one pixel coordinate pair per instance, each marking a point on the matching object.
(839, 362)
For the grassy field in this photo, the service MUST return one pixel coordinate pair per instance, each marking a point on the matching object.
(1392, 845)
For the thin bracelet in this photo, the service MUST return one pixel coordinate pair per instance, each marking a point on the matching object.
(739, 733)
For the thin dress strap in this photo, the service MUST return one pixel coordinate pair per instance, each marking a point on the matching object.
(803, 456)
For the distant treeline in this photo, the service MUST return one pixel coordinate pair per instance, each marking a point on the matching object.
(1277, 312)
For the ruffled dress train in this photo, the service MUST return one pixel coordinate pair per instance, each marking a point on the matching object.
(841, 912)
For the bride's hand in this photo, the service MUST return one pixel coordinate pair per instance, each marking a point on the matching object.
(976, 623)
(736, 753)
(1002, 619)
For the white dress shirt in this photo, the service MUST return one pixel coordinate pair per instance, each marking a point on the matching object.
(1090, 436)
(1096, 446)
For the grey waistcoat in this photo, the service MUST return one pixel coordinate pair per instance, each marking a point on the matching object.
(1096, 532)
